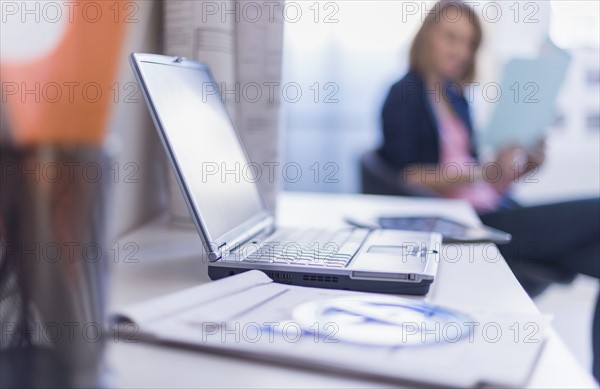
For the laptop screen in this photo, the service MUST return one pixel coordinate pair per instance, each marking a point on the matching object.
(219, 179)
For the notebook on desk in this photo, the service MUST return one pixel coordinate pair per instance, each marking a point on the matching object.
(451, 230)
(353, 333)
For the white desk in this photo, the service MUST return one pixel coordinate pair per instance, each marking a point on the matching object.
(169, 260)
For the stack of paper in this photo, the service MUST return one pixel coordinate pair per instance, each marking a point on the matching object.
(401, 339)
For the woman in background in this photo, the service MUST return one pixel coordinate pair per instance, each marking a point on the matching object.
(428, 138)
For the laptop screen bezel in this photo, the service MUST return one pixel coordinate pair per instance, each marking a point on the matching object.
(213, 244)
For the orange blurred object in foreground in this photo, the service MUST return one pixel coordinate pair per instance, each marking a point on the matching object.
(64, 97)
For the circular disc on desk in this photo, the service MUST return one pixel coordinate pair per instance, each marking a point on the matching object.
(383, 321)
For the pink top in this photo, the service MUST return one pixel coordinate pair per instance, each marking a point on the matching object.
(454, 155)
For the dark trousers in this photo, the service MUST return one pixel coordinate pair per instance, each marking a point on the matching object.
(565, 235)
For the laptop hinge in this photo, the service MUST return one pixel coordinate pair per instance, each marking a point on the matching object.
(217, 254)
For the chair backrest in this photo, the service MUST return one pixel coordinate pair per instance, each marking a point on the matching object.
(379, 178)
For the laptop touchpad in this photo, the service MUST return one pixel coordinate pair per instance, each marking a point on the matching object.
(390, 258)
(394, 250)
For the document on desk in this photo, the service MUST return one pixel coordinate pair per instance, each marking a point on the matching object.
(403, 339)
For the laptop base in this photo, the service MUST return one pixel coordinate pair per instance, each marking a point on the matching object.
(330, 281)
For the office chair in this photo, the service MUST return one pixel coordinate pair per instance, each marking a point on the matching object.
(378, 177)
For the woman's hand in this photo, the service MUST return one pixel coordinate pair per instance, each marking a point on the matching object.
(515, 161)
(536, 156)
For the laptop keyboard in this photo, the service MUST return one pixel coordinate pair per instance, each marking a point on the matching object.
(309, 247)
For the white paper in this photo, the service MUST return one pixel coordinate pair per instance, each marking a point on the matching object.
(525, 105)
(236, 314)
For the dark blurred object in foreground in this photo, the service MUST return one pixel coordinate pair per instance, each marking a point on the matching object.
(53, 266)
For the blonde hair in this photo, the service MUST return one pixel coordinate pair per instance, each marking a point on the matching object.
(419, 60)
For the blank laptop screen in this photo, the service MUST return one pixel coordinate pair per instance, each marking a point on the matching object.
(205, 145)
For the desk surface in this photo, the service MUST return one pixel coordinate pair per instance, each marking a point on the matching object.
(169, 260)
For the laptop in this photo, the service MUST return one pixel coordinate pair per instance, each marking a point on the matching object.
(237, 230)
